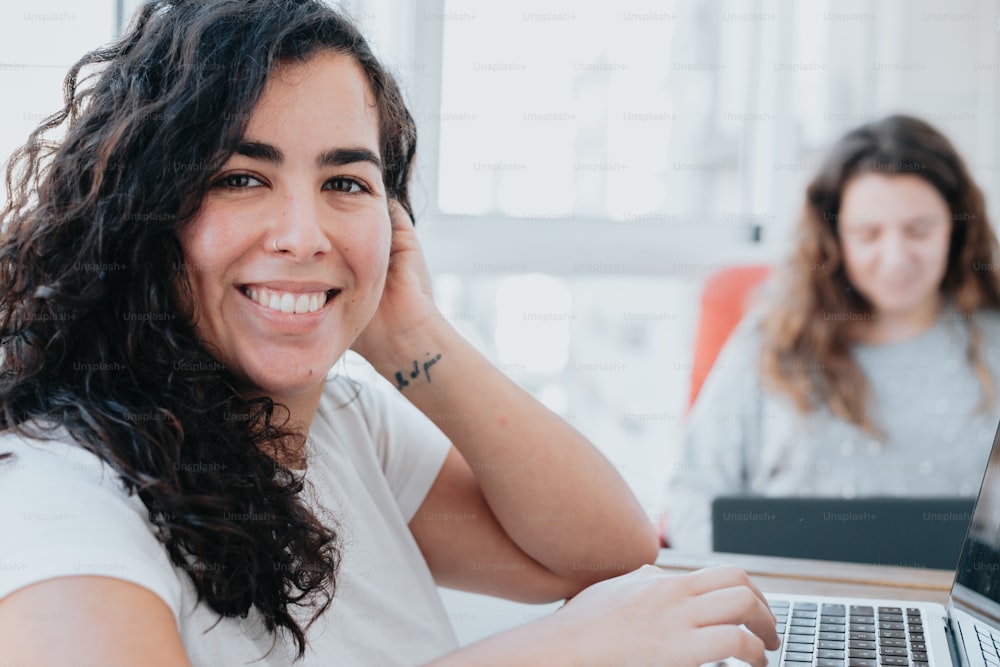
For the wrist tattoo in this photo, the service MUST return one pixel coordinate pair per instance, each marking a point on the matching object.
(401, 376)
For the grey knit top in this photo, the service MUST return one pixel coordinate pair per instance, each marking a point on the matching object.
(741, 438)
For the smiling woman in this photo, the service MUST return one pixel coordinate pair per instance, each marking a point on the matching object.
(227, 215)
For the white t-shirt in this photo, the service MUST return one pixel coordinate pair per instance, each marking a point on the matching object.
(372, 459)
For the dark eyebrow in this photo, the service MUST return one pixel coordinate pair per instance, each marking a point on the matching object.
(332, 158)
(341, 156)
(259, 151)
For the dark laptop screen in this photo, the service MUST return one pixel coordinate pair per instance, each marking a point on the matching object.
(977, 579)
(914, 532)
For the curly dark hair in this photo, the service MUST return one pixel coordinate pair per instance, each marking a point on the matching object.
(96, 334)
(806, 353)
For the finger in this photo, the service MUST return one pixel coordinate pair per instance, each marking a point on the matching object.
(723, 641)
(735, 606)
(399, 215)
(714, 578)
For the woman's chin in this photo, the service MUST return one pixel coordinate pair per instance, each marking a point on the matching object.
(290, 385)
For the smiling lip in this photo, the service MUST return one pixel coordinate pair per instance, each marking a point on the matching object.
(297, 299)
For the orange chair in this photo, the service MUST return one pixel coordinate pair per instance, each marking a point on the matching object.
(724, 301)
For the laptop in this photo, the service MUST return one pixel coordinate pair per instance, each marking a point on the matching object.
(910, 532)
(855, 632)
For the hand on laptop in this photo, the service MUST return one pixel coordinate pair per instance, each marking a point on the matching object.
(650, 617)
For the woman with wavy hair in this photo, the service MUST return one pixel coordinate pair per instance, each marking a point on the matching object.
(185, 483)
(871, 366)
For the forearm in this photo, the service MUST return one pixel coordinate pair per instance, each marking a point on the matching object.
(556, 496)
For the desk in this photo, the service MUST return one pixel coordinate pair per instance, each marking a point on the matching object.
(817, 577)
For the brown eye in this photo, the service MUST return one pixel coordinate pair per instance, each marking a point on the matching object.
(238, 182)
(346, 185)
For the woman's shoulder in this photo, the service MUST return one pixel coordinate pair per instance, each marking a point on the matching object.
(987, 318)
(49, 466)
(354, 390)
(357, 411)
(741, 351)
(51, 452)
(957, 326)
(66, 512)
(988, 323)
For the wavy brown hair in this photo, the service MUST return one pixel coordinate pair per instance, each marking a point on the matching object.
(95, 338)
(808, 325)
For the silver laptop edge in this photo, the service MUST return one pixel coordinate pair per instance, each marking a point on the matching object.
(953, 633)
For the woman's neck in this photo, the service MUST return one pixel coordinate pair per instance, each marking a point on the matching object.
(301, 411)
(894, 327)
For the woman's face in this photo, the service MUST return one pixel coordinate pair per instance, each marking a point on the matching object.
(287, 255)
(895, 233)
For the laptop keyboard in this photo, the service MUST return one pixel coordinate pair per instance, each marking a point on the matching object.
(990, 643)
(836, 635)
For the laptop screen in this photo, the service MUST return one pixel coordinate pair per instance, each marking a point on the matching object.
(915, 532)
(977, 578)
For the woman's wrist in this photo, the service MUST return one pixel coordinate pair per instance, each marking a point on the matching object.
(407, 356)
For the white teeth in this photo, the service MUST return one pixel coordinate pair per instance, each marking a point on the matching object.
(286, 302)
